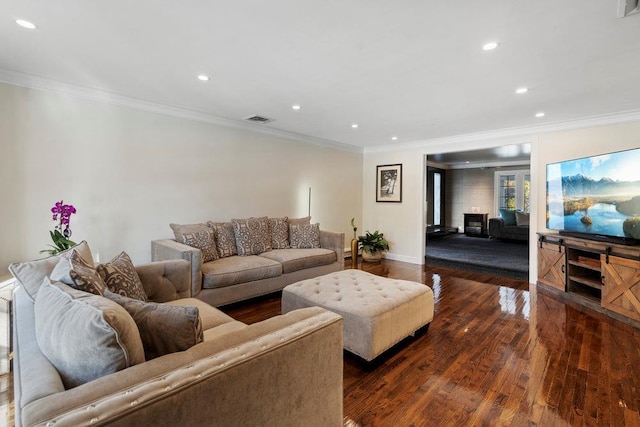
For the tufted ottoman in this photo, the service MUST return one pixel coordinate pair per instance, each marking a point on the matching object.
(378, 312)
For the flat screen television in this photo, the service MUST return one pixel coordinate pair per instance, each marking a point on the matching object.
(596, 197)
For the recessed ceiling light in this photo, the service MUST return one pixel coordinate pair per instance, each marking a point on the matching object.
(203, 78)
(394, 138)
(355, 125)
(295, 107)
(490, 46)
(25, 24)
(540, 114)
(522, 90)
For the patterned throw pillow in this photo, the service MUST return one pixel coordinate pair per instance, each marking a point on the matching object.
(252, 235)
(304, 236)
(77, 273)
(203, 240)
(279, 231)
(300, 221)
(163, 328)
(121, 277)
(225, 238)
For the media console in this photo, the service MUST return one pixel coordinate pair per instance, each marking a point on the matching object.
(603, 276)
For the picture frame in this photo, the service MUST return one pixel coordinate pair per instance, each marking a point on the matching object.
(389, 183)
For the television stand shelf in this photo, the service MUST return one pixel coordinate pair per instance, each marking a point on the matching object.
(600, 275)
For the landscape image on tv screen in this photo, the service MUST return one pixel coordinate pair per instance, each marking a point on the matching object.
(596, 195)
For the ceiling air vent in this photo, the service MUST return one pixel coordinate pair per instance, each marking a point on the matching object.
(258, 119)
(627, 7)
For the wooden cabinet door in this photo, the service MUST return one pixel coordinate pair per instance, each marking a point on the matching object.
(621, 290)
(552, 265)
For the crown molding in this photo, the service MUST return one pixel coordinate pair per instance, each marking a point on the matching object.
(514, 135)
(40, 83)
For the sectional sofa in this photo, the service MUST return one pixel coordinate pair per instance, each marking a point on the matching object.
(284, 371)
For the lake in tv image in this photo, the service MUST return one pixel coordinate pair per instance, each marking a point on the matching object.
(596, 195)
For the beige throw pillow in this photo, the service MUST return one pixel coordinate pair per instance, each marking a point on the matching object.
(205, 241)
(84, 336)
(279, 231)
(252, 235)
(225, 238)
(121, 277)
(304, 236)
(75, 272)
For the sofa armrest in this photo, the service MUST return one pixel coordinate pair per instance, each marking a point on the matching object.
(334, 241)
(166, 280)
(295, 357)
(495, 227)
(162, 250)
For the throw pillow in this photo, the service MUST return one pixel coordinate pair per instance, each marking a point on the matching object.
(84, 336)
(163, 328)
(508, 216)
(252, 235)
(179, 230)
(121, 277)
(304, 236)
(300, 221)
(75, 272)
(522, 218)
(225, 238)
(203, 240)
(30, 274)
(279, 231)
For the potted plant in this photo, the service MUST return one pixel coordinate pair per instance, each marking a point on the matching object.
(373, 246)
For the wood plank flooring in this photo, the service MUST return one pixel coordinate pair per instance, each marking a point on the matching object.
(497, 353)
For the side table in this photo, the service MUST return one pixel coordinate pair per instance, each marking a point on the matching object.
(6, 323)
(475, 224)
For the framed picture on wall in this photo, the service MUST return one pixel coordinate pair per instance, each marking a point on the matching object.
(389, 183)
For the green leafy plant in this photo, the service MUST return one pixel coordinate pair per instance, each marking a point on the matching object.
(373, 242)
(60, 235)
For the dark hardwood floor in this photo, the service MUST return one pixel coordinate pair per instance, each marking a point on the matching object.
(497, 353)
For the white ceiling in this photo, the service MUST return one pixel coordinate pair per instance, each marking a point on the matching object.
(414, 69)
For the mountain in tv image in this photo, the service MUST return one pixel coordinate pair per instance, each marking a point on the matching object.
(604, 206)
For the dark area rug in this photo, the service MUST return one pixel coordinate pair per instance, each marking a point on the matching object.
(491, 256)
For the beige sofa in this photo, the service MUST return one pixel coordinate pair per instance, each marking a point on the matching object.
(285, 371)
(236, 278)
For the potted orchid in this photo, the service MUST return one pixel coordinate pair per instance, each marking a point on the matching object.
(60, 235)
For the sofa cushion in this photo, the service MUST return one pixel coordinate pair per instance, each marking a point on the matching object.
(304, 236)
(75, 272)
(164, 329)
(205, 241)
(84, 336)
(180, 230)
(299, 259)
(31, 274)
(252, 235)
(279, 231)
(238, 269)
(225, 238)
(522, 218)
(121, 277)
(508, 216)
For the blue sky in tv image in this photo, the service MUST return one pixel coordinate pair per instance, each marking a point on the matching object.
(594, 195)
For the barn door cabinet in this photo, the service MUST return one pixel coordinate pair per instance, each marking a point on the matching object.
(603, 276)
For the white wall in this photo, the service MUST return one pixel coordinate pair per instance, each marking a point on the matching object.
(130, 173)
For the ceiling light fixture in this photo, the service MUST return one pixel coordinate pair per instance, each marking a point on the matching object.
(25, 24)
(490, 46)
(522, 90)
(295, 107)
(355, 126)
(540, 114)
(203, 78)
(394, 138)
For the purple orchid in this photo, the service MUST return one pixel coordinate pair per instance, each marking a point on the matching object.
(64, 212)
